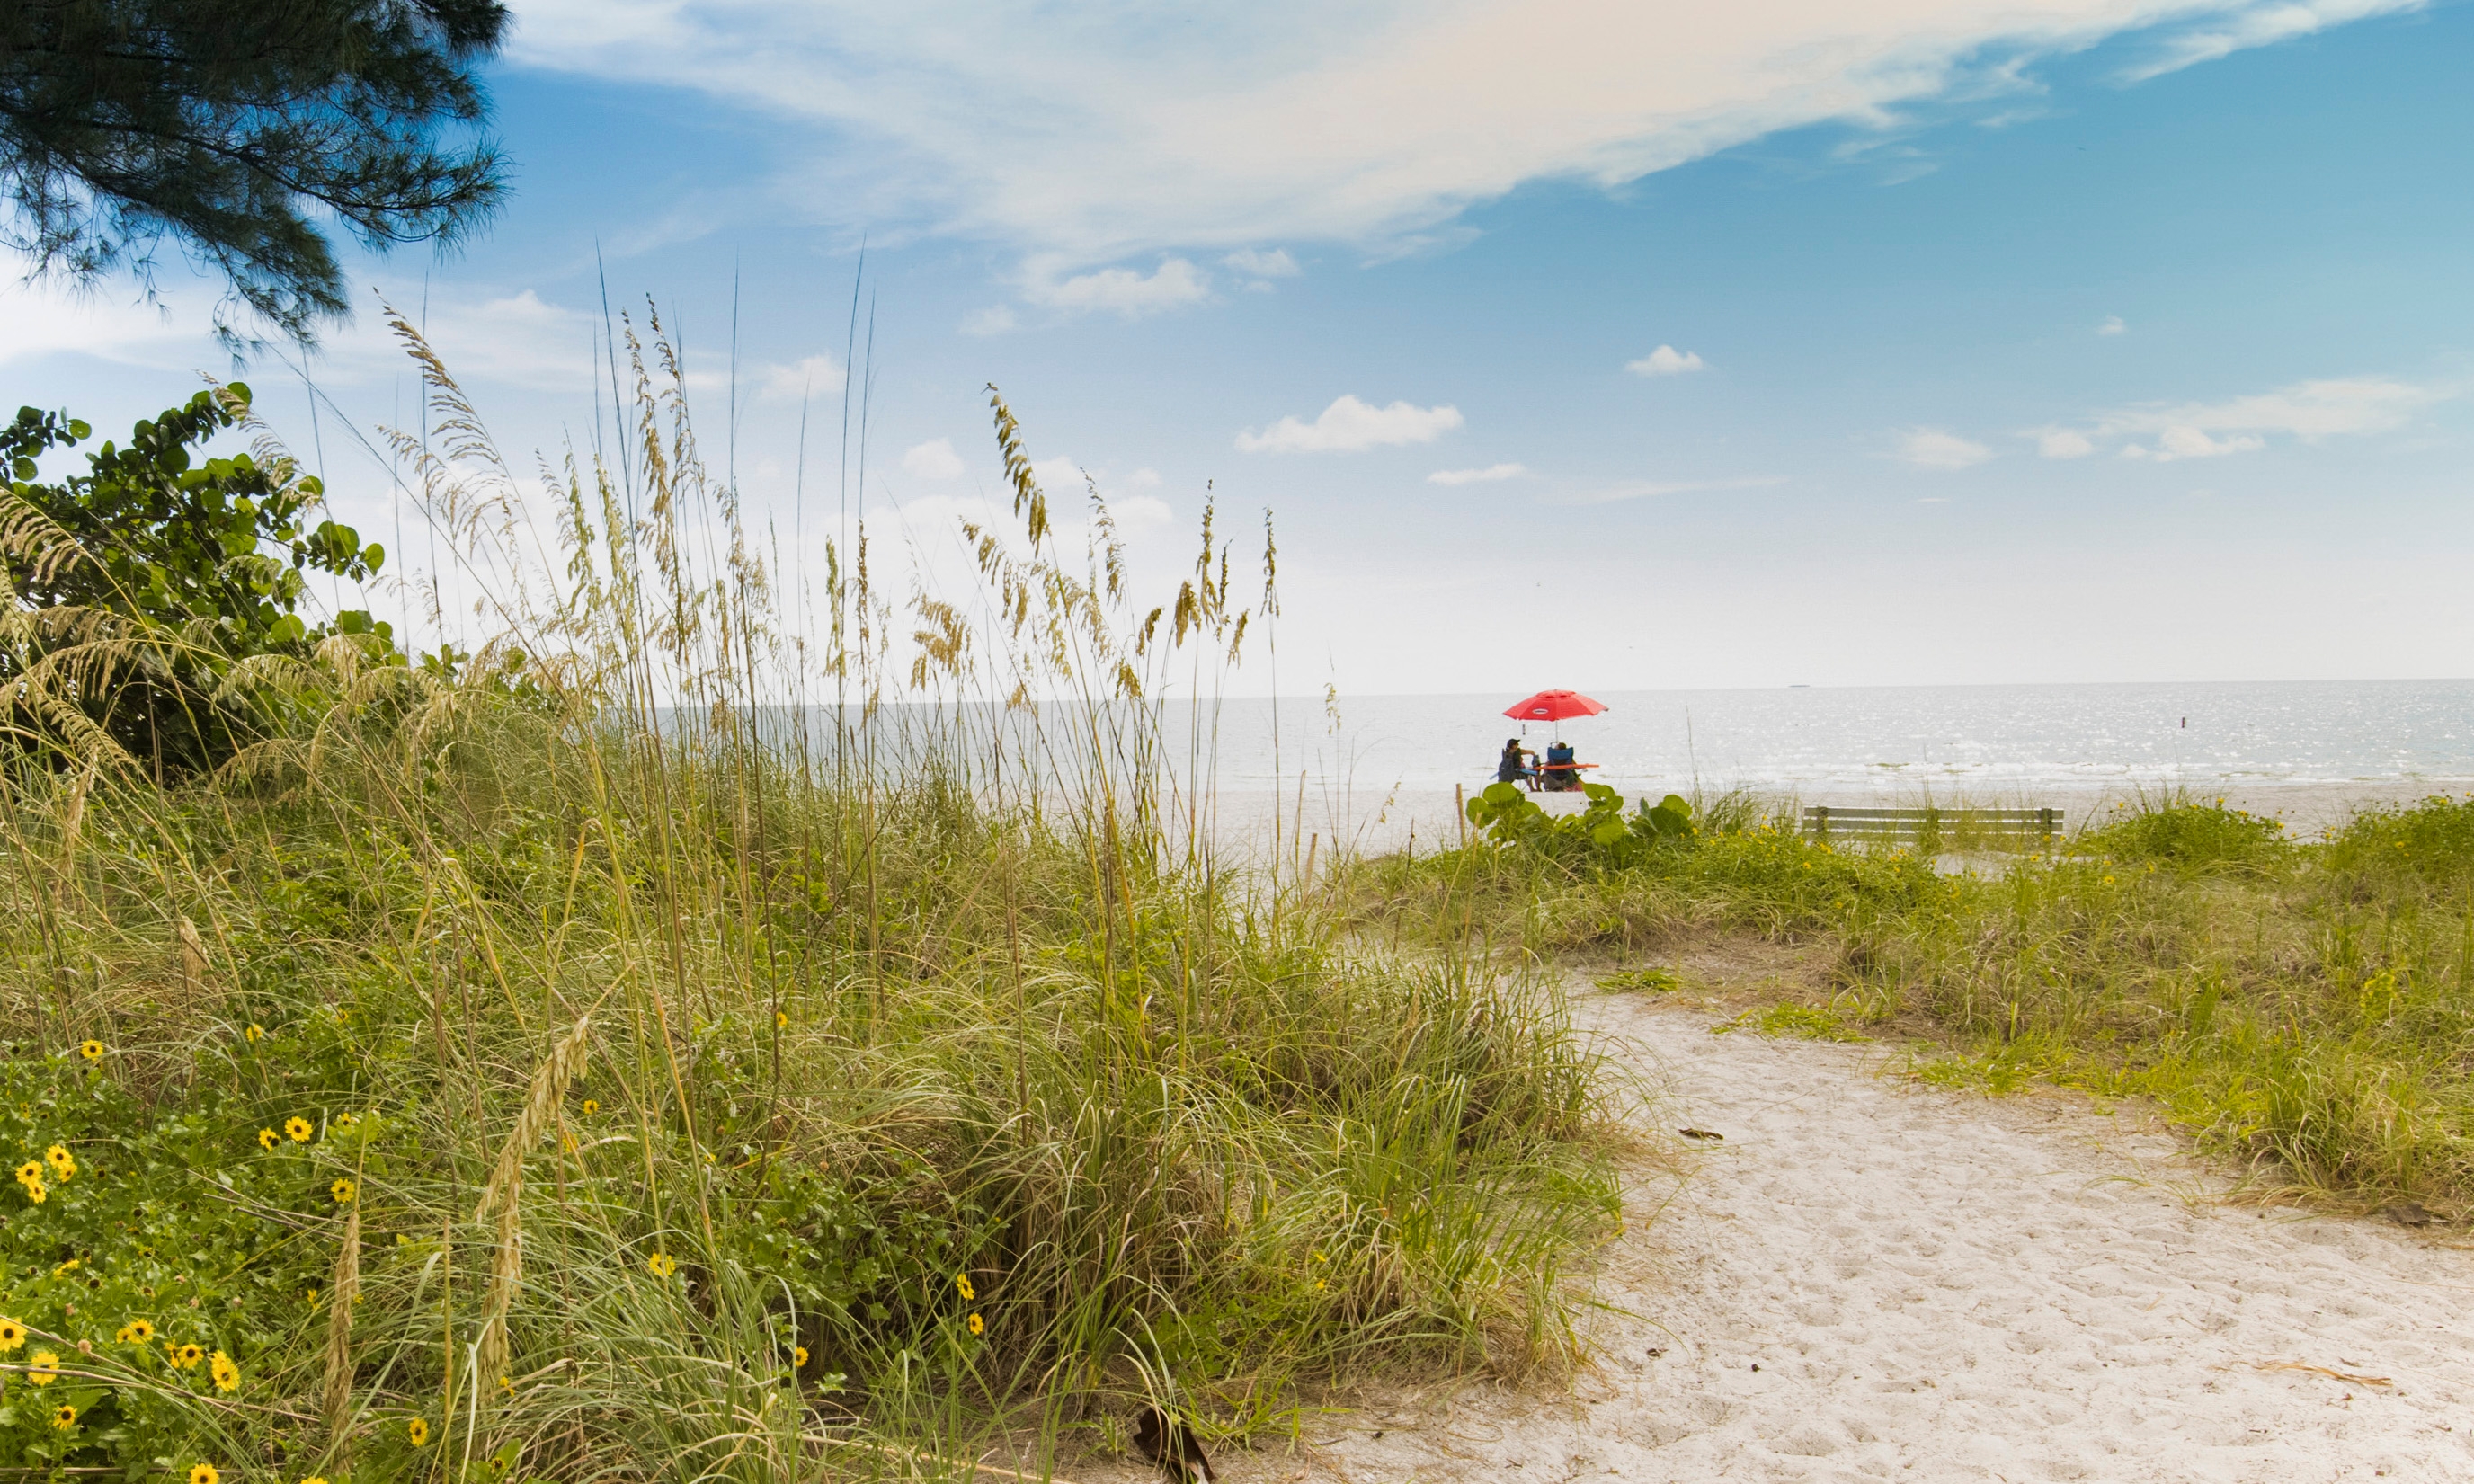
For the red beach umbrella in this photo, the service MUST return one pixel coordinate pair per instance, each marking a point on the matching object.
(1554, 706)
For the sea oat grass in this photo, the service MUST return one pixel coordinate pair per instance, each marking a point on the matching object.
(589, 1058)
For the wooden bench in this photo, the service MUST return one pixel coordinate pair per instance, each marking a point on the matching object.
(1823, 820)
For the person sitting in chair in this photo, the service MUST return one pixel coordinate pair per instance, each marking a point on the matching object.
(1561, 777)
(1513, 766)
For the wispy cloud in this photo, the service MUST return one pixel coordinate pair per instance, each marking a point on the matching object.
(994, 320)
(1487, 476)
(1935, 447)
(934, 459)
(2112, 325)
(804, 378)
(1175, 284)
(1348, 425)
(1664, 361)
(1255, 263)
(2307, 411)
(1070, 131)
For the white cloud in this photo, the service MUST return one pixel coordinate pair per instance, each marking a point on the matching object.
(1664, 361)
(1172, 284)
(1933, 447)
(1083, 134)
(2309, 411)
(2175, 442)
(806, 377)
(934, 459)
(1487, 476)
(2112, 325)
(1348, 425)
(1058, 476)
(1256, 263)
(994, 320)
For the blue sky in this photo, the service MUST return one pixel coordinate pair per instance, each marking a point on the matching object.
(1949, 342)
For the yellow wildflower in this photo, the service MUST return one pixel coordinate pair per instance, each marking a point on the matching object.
(266, 1138)
(185, 1355)
(227, 1374)
(781, 1020)
(978, 1325)
(38, 1192)
(12, 1333)
(662, 1265)
(136, 1331)
(205, 1474)
(63, 1165)
(30, 1172)
(417, 1430)
(43, 1368)
(798, 1357)
(299, 1127)
(65, 1417)
(963, 1285)
(591, 1106)
(254, 1033)
(342, 1191)
(92, 1051)
(66, 1269)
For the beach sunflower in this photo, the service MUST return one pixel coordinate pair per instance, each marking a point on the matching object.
(92, 1051)
(30, 1172)
(227, 1374)
(12, 1333)
(187, 1355)
(65, 1417)
(205, 1474)
(66, 1268)
(798, 1357)
(38, 1192)
(978, 1325)
(417, 1430)
(136, 1331)
(62, 1163)
(266, 1138)
(342, 1191)
(781, 1020)
(591, 1106)
(297, 1128)
(963, 1285)
(662, 1264)
(254, 1033)
(42, 1367)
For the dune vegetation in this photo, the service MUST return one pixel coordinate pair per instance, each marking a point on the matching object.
(667, 1040)
(2306, 1007)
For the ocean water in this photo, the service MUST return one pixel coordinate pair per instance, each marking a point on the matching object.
(2377, 736)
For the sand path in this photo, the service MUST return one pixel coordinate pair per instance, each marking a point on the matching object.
(1869, 1280)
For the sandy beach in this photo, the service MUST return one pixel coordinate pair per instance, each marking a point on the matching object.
(1866, 1279)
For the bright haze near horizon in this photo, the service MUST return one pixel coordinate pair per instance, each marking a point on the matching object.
(1614, 346)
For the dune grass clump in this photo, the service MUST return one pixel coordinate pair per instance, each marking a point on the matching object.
(2306, 1006)
(585, 1057)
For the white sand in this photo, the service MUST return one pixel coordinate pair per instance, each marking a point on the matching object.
(1869, 1280)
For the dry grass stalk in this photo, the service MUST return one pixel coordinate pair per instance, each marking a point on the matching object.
(549, 1086)
(338, 1398)
(193, 958)
(505, 1190)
